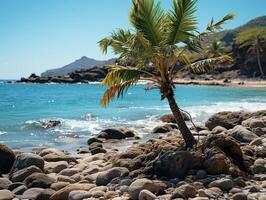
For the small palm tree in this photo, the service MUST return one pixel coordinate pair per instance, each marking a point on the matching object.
(155, 50)
(254, 40)
(216, 48)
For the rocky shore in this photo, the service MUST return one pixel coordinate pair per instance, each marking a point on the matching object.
(229, 162)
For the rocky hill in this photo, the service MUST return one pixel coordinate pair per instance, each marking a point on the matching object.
(82, 63)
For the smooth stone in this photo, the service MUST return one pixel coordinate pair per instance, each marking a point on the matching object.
(8, 156)
(55, 167)
(4, 183)
(147, 195)
(39, 180)
(28, 159)
(242, 134)
(31, 193)
(104, 178)
(201, 174)
(59, 185)
(69, 172)
(239, 196)
(22, 174)
(20, 190)
(224, 184)
(45, 194)
(6, 195)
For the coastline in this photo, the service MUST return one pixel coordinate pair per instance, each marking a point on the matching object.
(146, 168)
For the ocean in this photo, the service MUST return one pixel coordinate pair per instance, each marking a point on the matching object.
(77, 106)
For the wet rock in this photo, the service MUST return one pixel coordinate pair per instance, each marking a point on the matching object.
(55, 167)
(224, 184)
(64, 192)
(104, 178)
(239, 196)
(6, 195)
(227, 120)
(8, 156)
(97, 150)
(93, 140)
(50, 123)
(4, 183)
(161, 129)
(28, 159)
(147, 195)
(144, 184)
(116, 133)
(174, 164)
(59, 185)
(241, 134)
(20, 175)
(39, 180)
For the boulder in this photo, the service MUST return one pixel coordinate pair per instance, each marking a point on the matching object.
(39, 180)
(50, 123)
(51, 151)
(174, 164)
(227, 120)
(144, 184)
(106, 177)
(255, 122)
(242, 134)
(93, 140)
(27, 159)
(64, 192)
(20, 175)
(8, 156)
(224, 184)
(6, 195)
(55, 167)
(116, 133)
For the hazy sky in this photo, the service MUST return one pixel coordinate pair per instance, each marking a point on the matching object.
(36, 35)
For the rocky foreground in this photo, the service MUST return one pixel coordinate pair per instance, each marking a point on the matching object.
(228, 163)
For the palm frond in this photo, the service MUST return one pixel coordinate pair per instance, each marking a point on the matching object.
(147, 18)
(118, 80)
(182, 21)
(208, 64)
(213, 26)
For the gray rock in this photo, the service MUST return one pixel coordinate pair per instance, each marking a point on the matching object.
(20, 175)
(241, 134)
(147, 195)
(69, 171)
(27, 159)
(201, 174)
(45, 194)
(187, 190)
(6, 195)
(20, 190)
(39, 180)
(116, 133)
(104, 178)
(15, 185)
(224, 184)
(218, 130)
(256, 142)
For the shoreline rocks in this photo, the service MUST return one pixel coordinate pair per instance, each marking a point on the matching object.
(228, 163)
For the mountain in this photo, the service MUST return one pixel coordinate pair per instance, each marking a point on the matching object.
(82, 63)
(229, 35)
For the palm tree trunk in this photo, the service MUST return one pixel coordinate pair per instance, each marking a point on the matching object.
(186, 133)
(259, 63)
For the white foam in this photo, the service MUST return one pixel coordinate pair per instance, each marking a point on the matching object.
(3, 132)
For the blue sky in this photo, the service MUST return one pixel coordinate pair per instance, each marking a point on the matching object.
(36, 35)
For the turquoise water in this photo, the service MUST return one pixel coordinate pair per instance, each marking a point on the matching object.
(22, 106)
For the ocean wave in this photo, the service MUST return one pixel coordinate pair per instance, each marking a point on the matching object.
(3, 132)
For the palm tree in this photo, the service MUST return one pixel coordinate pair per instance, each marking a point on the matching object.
(155, 50)
(254, 40)
(216, 48)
